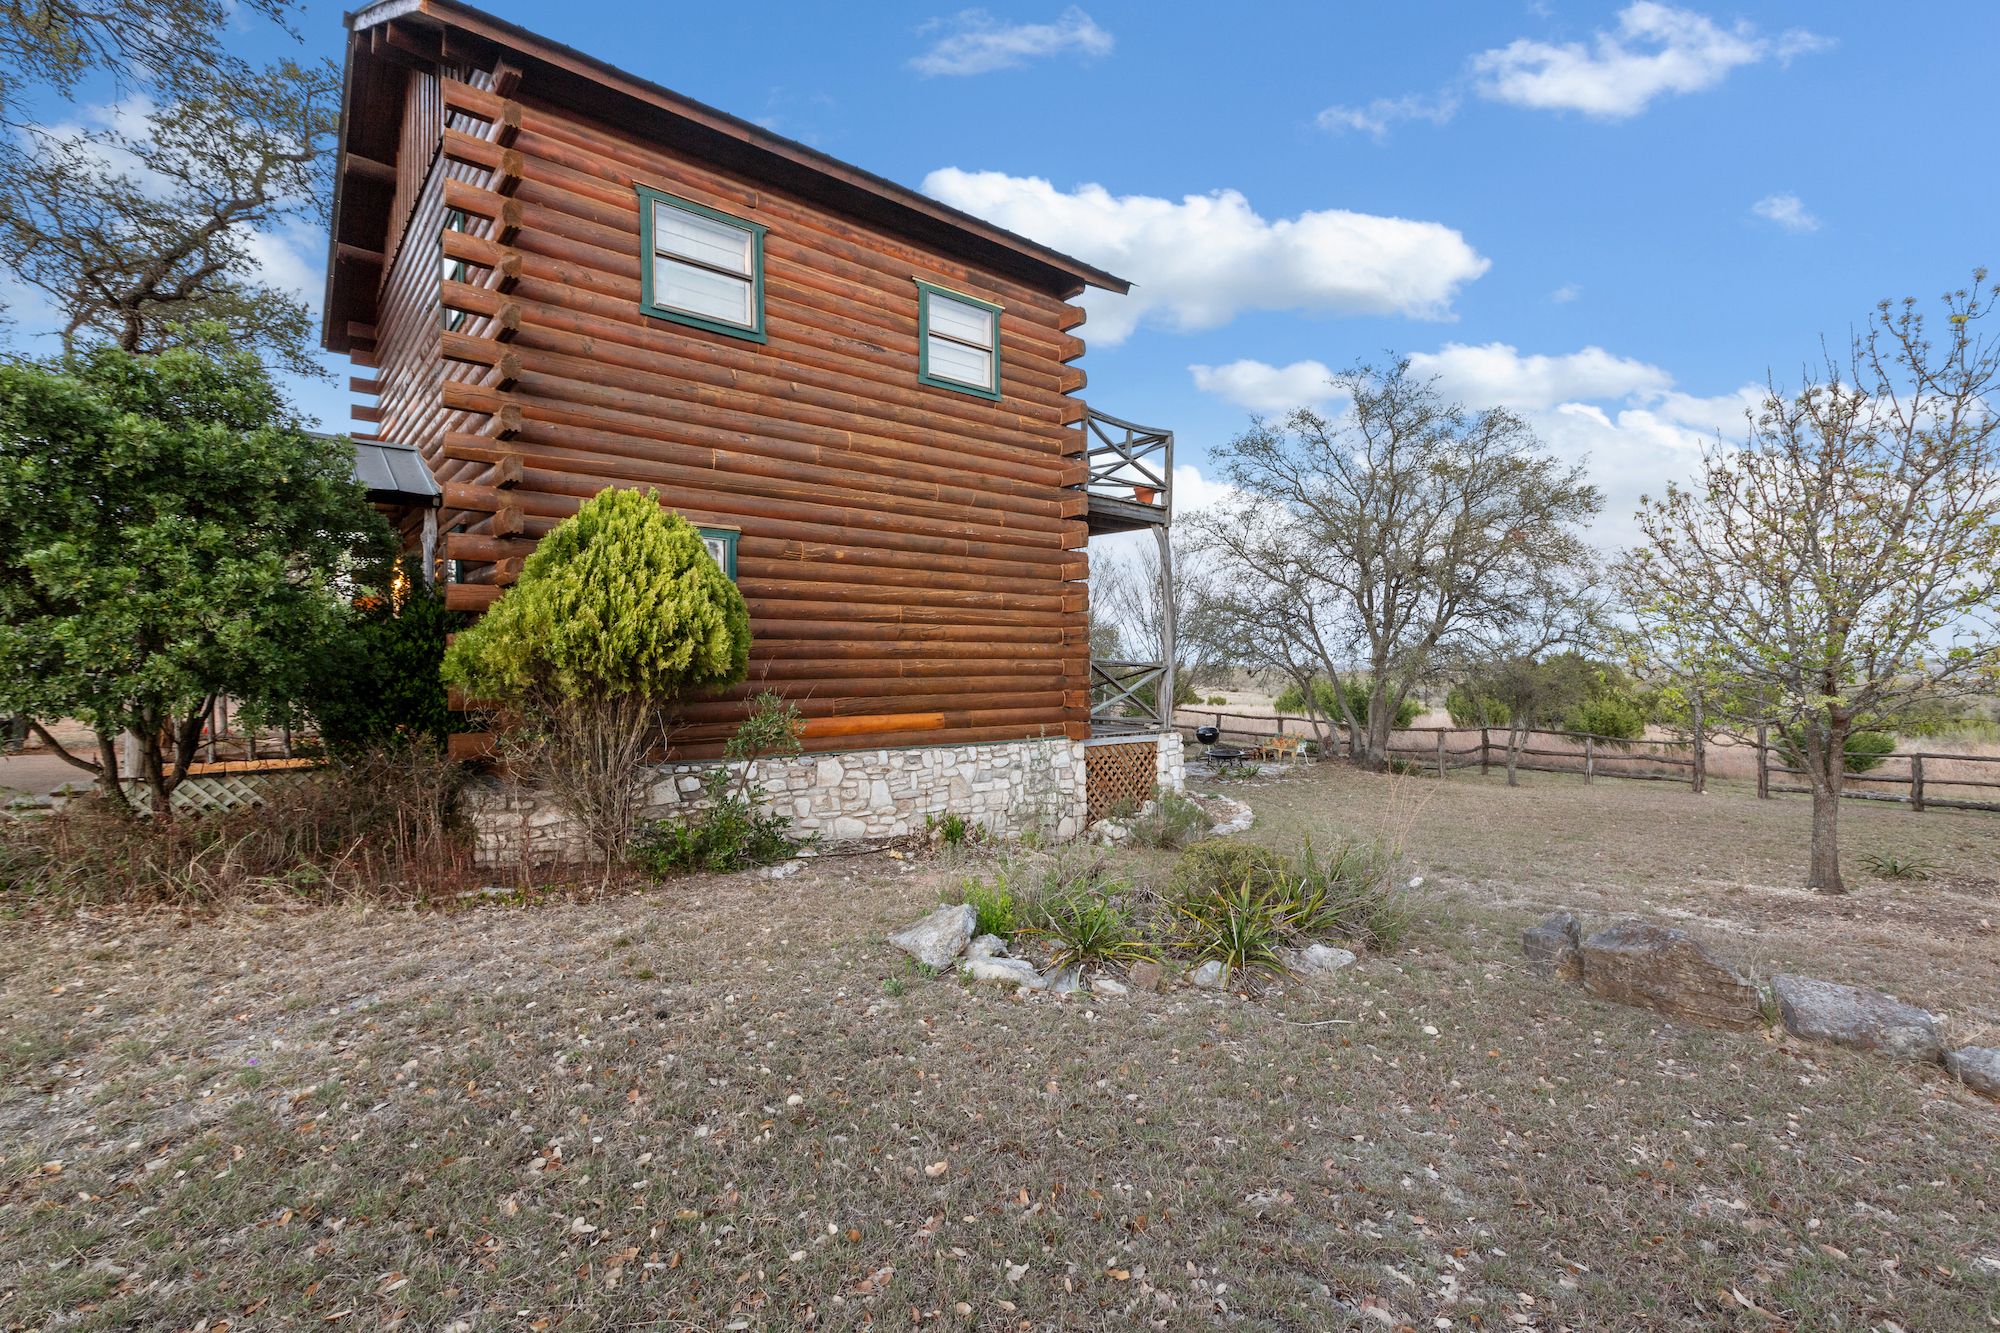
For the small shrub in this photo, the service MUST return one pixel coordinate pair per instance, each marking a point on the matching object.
(1091, 928)
(1615, 716)
(992, 901)
(1172, 823)
(1217, 700)
(1892, 865)
(1237, 771)
(1475, 710)
(1865, 751)
(1219, 864)
(953, 829)
(1242, 926)
(1292, 701)
(730, 832)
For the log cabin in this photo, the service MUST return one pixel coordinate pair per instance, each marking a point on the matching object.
(553, 277)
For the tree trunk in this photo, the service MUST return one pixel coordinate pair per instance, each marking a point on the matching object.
(108, 785)
(1826, 764)
(1515, 735)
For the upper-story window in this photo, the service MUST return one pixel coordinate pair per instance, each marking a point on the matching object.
(958, 341)
(700, 267)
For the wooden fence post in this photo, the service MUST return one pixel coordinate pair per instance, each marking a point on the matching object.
(1589, 758)
(1763, 765)
(1917, 783)
(1440, 749)
(1485, 760)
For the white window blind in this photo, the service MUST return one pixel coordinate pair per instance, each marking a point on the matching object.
(961, 338)
(703, 266)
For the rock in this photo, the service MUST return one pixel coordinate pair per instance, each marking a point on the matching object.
(1867, 1020)
(987, 946)
(1008, 971)
(1554, 947)
(1211, 975)
(1658, 967)
(1317, 960)
(939, 937)
(1146, 976)
(1108, 986)
(1066, 982)
(1230, 817)
(1110, 832)
(1977, 1067)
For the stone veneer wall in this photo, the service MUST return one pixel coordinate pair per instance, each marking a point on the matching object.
(1004, 787)
(1172, 772)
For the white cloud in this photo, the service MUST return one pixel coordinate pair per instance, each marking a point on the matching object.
(1268, 389)
(1376, 118)
(1655, 50)
(1566, 293)
(1787, 211)
(1620, 416)
(1199, 262)
(974, 42)
(1496, 375)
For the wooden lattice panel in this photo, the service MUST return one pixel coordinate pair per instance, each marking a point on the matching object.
(1125, 774)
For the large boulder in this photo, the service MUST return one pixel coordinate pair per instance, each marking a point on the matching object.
(938, 938)
(1978, 1067)
(1867, 1020)
(1658, 967)
(1554, 946)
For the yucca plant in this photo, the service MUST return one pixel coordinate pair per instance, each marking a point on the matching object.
(1893, 865)
(1239, 926)
(1091, 929)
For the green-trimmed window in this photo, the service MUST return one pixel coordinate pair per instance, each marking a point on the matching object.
(721, 543)
(699, 267)
(958, 341)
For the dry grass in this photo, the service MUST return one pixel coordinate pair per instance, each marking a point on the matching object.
(581, 1115)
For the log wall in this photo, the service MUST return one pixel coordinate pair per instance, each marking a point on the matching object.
(912, 557)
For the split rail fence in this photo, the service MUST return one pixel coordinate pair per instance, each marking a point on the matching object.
(1922, 781)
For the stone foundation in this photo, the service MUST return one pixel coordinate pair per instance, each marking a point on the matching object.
(1172, 761)
(1004, 787)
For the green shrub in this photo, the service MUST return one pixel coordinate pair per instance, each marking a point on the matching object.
(1211, 866)
(1865, 751)
(1241, 926)
(1292, 702)
(1613, 715)
(1470, 710)
(1091, 928)
(379, 681)
(992, 902)
(1217, 700)
(1172, 823)
(730, 832)
(1236, 770)
(1349, 896)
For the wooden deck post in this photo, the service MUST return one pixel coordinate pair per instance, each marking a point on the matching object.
(1917, 783)
(1763, 765)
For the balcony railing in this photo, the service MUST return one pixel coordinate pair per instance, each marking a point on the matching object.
(1130, 472)
(1125, 696)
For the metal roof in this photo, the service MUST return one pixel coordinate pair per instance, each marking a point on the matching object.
(395, 474)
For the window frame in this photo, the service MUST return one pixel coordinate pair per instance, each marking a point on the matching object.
(649, 252)
(728, 537)
(926, 290)
(453, 270)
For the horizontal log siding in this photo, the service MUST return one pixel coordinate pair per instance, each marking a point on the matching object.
(911, 556)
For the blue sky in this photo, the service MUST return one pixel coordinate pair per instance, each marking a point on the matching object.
(1614, 218)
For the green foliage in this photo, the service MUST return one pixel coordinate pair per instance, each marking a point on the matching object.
(731, 831)
(173, 533)
(1615, 715)
(1475, 710)
(1892, 865)
(1348, 896)
(1240, 925)
(1865, 751)
(1292, 701)
(1217, 700)
(1089, 926)
(992, 901)
(1173, 822)
(379, 681)
(1236, 770)
(621, 598)
(1220, 863)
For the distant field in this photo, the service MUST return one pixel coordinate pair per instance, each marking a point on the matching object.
(704, 1108)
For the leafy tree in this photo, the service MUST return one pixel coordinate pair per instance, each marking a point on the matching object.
(1379, 544)
(1327, 702)
(378, 684)
(1843, 563)
(140, 220)
(174, 533)
(620, 612)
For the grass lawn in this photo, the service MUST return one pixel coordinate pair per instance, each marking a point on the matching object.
(727, 1104)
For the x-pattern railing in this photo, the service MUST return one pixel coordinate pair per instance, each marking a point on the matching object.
(1117, 693)
(1125, 459)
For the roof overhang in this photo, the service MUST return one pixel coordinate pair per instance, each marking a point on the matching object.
(388, 37)
(395, 474)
